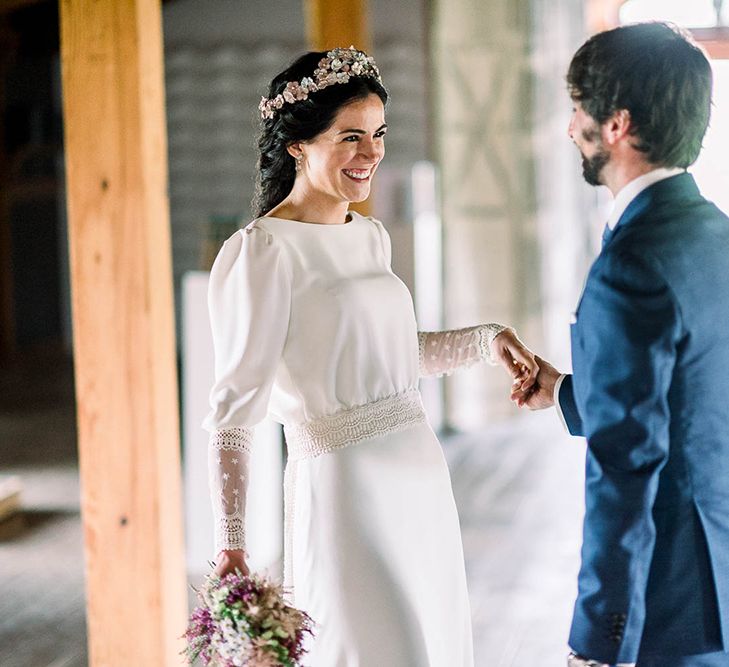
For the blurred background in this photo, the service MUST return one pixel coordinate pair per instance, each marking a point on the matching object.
(482, 194)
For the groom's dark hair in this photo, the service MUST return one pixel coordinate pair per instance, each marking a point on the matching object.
(657, 73)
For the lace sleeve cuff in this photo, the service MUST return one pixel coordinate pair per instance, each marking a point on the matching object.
(443, 352)
(487, 333)
(229, 452)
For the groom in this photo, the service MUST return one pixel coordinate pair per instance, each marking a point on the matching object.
(650, 350)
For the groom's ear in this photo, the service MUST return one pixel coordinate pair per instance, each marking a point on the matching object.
(617, 127)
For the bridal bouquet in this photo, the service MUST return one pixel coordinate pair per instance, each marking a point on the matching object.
(244, 621)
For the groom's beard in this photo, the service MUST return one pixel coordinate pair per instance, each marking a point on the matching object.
(592, 166)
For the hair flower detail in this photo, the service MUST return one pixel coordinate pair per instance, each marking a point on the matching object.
(339, 66)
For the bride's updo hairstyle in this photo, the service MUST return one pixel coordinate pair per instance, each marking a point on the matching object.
(299, 120)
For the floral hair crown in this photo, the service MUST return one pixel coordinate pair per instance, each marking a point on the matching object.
(339, 66)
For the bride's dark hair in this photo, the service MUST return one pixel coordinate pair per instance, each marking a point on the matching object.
(300, 121)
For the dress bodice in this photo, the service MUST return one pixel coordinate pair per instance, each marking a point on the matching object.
(311, 326)
(352, 333)
(333, 325)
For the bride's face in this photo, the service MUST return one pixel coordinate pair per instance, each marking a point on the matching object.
(341, 162)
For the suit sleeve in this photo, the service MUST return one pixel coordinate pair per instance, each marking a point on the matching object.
(624, 352)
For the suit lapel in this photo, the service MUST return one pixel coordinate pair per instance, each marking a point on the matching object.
(674, 189)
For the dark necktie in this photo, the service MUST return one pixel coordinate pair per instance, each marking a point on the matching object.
(606, 234)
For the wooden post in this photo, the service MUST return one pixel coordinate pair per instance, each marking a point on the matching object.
(602, 15)
(123, 325)
(714, 40)
(332, 23)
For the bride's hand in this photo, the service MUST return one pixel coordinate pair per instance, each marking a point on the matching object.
(230, 560)
(518, 360)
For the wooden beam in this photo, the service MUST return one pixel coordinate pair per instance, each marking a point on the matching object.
(602, 15)
(332, 23)
(714, 40)
(123, 325)
(716, 50)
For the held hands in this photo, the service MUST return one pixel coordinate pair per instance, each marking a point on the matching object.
(534, 378)
(518, 361)
(230, 560)
(539, 395)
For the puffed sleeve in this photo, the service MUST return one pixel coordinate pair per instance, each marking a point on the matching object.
(249, 297)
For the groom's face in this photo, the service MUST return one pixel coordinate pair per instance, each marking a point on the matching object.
(585, 133)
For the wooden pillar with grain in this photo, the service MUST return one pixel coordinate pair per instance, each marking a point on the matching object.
(123, 327)
(332, 23)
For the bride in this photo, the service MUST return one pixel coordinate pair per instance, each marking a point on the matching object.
(311, 325)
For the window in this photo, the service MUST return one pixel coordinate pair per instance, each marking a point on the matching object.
(693, 14)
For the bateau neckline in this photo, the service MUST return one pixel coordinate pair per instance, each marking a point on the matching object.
(353, 216)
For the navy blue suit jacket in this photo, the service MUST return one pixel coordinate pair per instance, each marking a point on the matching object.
(650, 392)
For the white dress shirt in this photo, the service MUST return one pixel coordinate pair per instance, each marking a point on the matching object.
(622, 200)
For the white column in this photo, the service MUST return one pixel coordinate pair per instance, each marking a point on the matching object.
(482, 82)
(516, 240)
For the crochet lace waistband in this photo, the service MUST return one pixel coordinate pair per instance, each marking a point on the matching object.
(387, 415)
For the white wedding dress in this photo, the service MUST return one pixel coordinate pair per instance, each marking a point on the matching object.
(311, 326)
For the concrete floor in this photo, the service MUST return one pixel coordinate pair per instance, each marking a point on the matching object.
(517, 485)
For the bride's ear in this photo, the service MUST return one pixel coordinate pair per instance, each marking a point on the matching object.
(294, 150)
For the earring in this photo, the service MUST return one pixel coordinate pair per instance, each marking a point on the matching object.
(297, 160)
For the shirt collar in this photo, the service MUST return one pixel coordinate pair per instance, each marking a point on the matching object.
(630, 191)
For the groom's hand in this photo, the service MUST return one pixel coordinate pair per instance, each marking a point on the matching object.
(541, 394)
